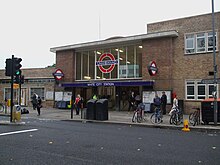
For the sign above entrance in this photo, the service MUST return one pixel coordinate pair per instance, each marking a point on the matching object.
(58, 74)
(111, 62)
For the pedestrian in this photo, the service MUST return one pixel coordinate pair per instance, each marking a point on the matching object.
(78, 103)
(138, 99)
(157, 101)
(34, 101)
(175, 104)
(163, 102)
(131, 101)
(95, 97)
(39, 105)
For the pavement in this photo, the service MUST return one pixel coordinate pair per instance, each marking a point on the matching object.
(114, 117)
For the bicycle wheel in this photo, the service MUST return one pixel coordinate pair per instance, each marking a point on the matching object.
(134, 118)
(191, 118)
(155, 119)
(2, 108)
(178, 119)
(172, 119)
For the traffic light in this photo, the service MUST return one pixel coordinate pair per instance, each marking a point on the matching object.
(8, 67)
(17, 66)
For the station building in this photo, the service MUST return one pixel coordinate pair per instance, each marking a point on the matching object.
(182, 50)
(36, 80)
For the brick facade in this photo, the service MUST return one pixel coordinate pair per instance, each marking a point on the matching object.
(168, 51)
(183, 67)
(34, 78)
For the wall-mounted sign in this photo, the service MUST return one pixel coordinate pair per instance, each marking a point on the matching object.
(58, 74)
(152, 68)
(106, 59)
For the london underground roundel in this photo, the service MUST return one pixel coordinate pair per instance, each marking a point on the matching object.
(106, 63)
(152, 68)
(58, 74)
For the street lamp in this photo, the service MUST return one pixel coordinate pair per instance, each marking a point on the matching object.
(214, 66)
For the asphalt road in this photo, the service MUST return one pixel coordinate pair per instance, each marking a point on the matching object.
(53, 142)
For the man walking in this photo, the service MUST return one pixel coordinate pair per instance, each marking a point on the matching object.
(163, 102)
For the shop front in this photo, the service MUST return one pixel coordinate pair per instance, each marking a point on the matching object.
(116, 92)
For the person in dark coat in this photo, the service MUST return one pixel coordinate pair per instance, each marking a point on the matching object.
(131, 101)
(163, 102)
(34, 101)
(39, 105)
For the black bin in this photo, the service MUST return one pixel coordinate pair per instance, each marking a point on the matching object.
(61, 105)
(102, 109)
(91, 109)
(207, 110)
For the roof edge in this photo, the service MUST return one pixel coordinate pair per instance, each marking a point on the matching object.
(171, 33)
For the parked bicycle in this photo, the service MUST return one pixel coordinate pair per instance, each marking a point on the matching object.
(176, 117)
(194, 117)
(157, 117)
(2, 107)
(138, 115)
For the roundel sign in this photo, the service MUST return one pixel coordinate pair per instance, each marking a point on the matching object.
(152, 68)
(58, 74)
(106, 63)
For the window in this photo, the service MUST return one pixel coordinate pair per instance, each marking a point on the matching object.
(199, 42)
(189, 42)
(39, 91)
(210, 42)
(8, 94)
(126, 64)
(195, 90)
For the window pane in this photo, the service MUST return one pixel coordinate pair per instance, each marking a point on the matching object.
(78, 66)
(211, 89)
(200, 42)
(190, 90)
(130, 61)
(201, 90)
(189, 44)
(122, 64)
(92, 64)
(114, 52)
(210, 41)
(85, 65)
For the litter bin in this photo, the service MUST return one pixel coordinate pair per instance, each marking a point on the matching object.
(102, 109)
(91, 109)
(207, 110)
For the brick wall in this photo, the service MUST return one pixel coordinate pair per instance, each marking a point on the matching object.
(65, 60)
(183, 66)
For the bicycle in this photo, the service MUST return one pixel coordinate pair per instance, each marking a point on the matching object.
(194, 117)
(176, 117)
(2, 107)
(138, 115)
(156, 117)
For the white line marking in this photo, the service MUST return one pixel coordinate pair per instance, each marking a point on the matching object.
(16, 132)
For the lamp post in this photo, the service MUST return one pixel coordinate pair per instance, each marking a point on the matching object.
(214, 66)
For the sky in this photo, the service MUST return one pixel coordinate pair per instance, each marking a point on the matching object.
(29, 28)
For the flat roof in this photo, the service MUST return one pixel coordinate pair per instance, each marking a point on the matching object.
(114, 41)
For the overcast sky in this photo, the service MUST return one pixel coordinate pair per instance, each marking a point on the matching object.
(29, 28)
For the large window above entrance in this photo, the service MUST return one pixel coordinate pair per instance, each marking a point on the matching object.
(110, 63)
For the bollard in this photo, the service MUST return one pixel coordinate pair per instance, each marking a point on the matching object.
(186, 126)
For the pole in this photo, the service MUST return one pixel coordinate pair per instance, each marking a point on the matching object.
(12, 82)
(214, 65)
(19, 101)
